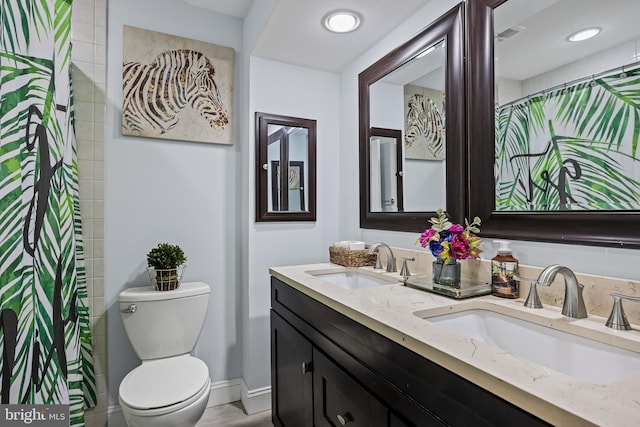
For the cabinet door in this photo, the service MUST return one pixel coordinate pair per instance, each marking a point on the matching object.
(339, 400)
(291, 377)
(394, 421)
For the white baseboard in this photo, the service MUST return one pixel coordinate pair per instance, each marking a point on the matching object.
(222, 392)
(225, 392)
(257, 400)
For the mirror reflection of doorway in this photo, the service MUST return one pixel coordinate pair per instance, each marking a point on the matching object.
(293, 200)
(385, 162)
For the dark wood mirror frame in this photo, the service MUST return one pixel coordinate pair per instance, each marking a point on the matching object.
(263, 212)
(620, 228)
(449, 27)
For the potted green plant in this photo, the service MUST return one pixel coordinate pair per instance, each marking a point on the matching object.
(166, 266)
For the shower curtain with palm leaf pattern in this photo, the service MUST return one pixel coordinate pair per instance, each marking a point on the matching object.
(45, 339)
(574, 148)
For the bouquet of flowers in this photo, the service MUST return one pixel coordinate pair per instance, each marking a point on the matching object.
(447, 240)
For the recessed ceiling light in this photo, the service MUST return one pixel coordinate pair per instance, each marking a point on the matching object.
(342, 21)
(585, 34)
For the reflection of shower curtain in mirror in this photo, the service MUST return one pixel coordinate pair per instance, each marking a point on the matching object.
(44, 323)
(572, 148)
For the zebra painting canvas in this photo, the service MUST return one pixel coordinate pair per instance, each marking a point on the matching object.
(424, 127)
(176, 88)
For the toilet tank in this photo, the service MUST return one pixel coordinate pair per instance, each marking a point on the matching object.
(163, 324)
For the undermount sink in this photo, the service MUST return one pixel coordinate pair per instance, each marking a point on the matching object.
(581, 358)
(354, 279)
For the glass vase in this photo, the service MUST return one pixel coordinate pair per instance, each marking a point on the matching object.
(446, 274)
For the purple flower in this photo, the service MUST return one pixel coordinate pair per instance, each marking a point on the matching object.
(455, 242)
(426, 236)
(459, 248)
(456, 228)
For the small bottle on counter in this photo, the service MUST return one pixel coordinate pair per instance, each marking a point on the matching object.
(503, 267)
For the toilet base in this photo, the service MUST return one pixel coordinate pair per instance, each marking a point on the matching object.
(183, 417)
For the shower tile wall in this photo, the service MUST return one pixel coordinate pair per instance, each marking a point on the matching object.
(88, 38)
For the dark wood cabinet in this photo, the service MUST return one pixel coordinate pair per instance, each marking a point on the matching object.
(292, 378)
(394, 421)
(360, 377)
(339, 400)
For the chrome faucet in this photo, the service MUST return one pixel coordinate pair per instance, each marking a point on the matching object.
(404, 271)
(391, 260)
(573, 305)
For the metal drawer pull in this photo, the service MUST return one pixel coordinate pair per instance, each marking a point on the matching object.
(131, 309)
(344, 419)
(306, 367)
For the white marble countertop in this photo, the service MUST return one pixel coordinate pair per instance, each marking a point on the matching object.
(555, 397)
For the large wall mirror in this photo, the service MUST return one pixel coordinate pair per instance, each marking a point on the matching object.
(412, 130)
(554, 120)
(285, 168)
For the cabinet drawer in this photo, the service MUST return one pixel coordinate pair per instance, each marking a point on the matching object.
(339, 400)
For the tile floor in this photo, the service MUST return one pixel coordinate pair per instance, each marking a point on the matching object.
(233, 415)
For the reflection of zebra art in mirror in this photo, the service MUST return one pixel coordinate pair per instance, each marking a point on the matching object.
(177, 93)
(424, 136)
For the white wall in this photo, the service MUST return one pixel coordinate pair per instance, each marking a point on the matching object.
(612, 262)
(289, 90)
(626, 53)
(170, 191)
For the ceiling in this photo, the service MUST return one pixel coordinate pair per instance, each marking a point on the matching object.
(294, 35)
(237, 8)
(543, 26)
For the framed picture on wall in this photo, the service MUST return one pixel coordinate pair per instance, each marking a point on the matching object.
(424, 123)
(176, 88)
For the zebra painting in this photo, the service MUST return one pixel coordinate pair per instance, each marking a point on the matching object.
(177, 93)
(424, 129)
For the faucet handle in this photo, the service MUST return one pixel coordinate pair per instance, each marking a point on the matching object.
(618, 319)
(378, 265)
(404, 271)
(533, 300)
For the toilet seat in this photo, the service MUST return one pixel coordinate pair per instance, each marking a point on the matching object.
(165, 385)
(198, 401)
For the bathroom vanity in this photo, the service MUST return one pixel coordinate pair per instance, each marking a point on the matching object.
(368, 357)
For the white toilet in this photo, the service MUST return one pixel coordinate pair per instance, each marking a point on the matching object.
(170, 388)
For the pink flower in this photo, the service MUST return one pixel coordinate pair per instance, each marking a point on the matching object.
(426, 236)
(446, 240)
(459, 247)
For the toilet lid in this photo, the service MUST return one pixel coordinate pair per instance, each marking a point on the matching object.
(163, 382)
